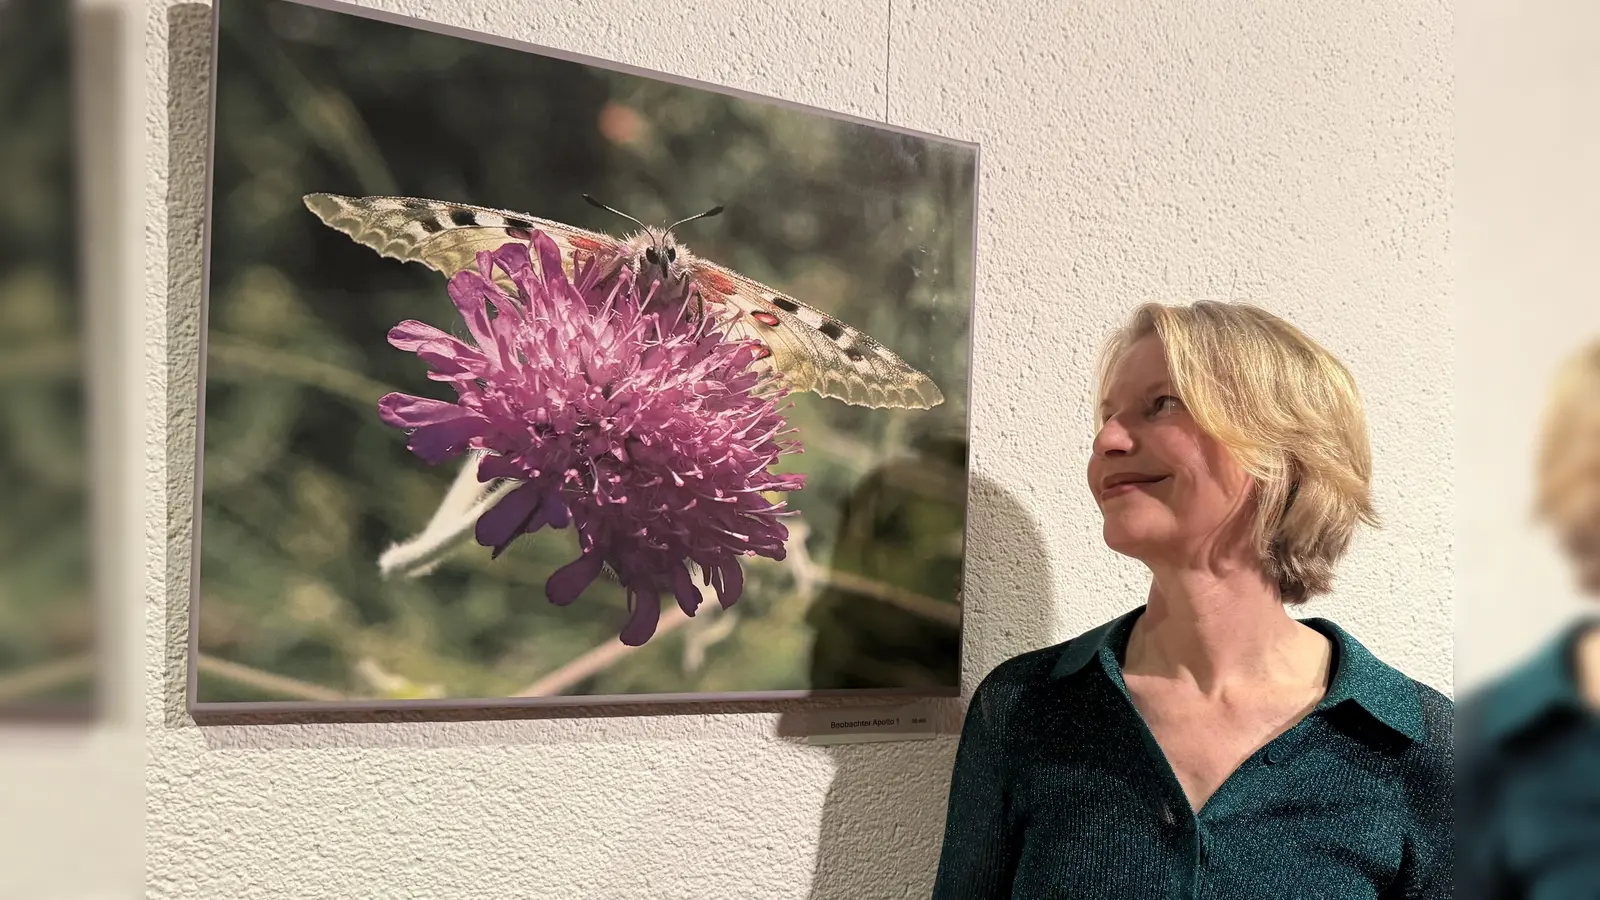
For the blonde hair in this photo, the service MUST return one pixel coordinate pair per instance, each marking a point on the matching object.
(1568, 491)
(1287, 411)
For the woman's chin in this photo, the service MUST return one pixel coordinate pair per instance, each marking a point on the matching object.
(1129, 540)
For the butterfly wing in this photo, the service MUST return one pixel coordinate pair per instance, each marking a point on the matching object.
(813, 350)
(446, 237)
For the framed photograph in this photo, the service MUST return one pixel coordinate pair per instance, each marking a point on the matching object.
(530, 379)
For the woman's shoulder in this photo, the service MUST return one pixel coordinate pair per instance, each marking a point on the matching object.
(1004, 695)
(1366, 675)
(1435, 753)
(1517, 701)
(1019, 676)
(1428, 763)
(1417, 735)
(1023, 670)
(1418, 713)
(1438, 709)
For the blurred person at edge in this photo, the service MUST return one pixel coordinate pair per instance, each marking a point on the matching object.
(1530, 740)
(1208, 744)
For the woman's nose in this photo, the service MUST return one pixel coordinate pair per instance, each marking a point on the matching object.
(1113, 438)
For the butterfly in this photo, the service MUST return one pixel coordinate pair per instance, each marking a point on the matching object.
(814, 351)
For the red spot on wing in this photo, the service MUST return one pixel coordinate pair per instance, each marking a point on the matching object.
(589, 244)
(762, 350)
(765, 318)
(715, 282)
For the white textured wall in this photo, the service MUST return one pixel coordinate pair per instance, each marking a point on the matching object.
(1295, 154)
(1528, 138)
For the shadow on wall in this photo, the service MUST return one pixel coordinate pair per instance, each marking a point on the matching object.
(188, 104)
(883, 819)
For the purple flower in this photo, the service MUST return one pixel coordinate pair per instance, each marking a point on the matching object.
(649, 431)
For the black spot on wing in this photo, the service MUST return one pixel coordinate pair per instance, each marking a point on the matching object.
(519, 224)
(832, 330)
(854, 355)
(465, 218)
(430, 224)
(785, 304)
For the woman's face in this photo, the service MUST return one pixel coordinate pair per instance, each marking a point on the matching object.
(1583, 547)
(1169, 493)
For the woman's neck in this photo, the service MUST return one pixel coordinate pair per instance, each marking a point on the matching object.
(1224, 629)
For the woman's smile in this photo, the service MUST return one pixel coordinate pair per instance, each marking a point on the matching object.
(1118, 485)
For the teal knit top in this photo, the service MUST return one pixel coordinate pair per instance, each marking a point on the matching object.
(1060, 791)
(1530, 781)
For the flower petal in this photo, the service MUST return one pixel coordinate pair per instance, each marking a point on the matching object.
(646, 606)
(405, 411)
(731, 583)
(554, 511)
(503, 522)
(555, 277)
(514, 258)
(449, 364)
(650, 431)
(496, 466)
(472, 293)
(411, 334)
(446, 440)
(567, 582)
(684, 589)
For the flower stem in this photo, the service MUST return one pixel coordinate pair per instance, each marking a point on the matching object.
(597, 660)
(267, 681)
(450, 526)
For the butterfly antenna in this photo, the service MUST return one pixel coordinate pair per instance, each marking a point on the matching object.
(598, 205)
(715, 210)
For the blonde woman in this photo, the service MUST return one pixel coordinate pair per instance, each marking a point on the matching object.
(1208, 744)
(1531, 740)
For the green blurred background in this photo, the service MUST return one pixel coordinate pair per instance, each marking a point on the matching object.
(47, 633)
(304, 487)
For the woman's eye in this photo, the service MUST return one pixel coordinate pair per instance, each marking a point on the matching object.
(1165, 402)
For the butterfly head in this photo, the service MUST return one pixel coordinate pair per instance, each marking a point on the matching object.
(656, 257)
(657, 252)
(654, 254)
